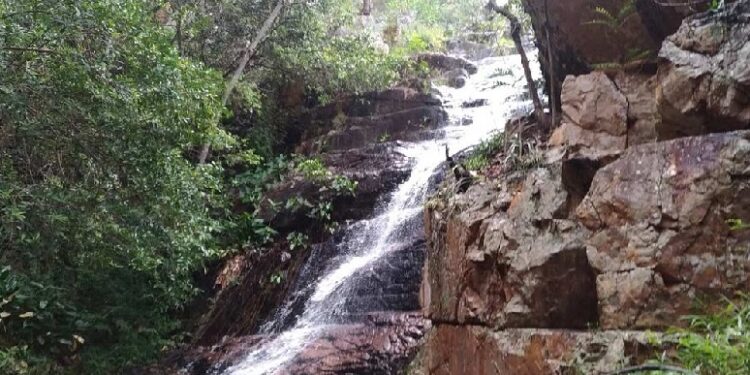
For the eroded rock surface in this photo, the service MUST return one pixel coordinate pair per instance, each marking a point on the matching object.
(360, 121)
(595, 118)
(704, 74)
(661, 238)
(381, 344)
(454, 350)
(562, 29)
(445, 63)
(508, 257)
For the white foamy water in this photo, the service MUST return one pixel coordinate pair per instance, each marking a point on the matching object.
(371, 239)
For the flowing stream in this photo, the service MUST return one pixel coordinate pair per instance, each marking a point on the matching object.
(500, 82)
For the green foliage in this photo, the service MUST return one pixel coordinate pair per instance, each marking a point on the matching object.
(312, 169)
(522, 155)
(737, 224)
(482, 154)
(297, 240)
(343, 185)
(614, 24)
(517, 154)
(453, 16)
(423, 38)
(613, 21)
(101, 218)
(718, 344)
(104, 219)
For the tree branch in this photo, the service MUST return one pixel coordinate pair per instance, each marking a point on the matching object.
(28, 49)
(250, 51)
(515, 33)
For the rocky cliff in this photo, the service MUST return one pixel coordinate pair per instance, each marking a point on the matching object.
(579, 265)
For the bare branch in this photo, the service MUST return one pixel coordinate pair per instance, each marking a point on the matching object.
(249, 52)
(515, 33)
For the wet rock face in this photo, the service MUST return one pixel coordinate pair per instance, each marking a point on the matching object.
(704, 74)
(381, 344)
(446, 63)
(478, 350)
(377, 169)
(360, 121)
(508, 258)
(454, 70)
(660, 234)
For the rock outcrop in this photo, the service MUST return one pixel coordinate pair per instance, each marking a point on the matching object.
(454, 350)
(661, 238)
(508, 257)
(564, 30)
(360, 121)
(446, 63)
(595, 118)
(623, 228)
(704, 74)
(379, 344)
(452, 69)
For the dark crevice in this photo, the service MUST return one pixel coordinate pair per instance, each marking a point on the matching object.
(577, 177)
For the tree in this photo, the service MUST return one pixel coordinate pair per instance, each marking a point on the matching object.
(515, 33)
(250, 49)
(102, 220)
(366, 8)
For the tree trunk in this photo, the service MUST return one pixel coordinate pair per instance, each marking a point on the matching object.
(366, 7)
(551, 64)
(515, 33)
(250, 50)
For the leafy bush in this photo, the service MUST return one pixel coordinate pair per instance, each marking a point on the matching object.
(102, 219)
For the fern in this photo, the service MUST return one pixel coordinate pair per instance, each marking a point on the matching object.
(613, 22)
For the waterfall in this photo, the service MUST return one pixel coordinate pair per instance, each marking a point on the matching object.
(500, 82)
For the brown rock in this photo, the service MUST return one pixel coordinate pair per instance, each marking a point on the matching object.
(662, 210)
(575, 44)
(472, 350)
(508, 264)
(595, 118)
(360, 120)
(383, 345)
(643, 115)
(704, 74)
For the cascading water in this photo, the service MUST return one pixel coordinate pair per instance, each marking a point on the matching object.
(500, 83)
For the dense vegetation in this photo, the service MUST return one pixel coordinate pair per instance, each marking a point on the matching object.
(106, 216)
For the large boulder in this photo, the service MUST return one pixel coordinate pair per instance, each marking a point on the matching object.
(595, 118)
(445, 63)
(575, 43)
(360, 120)
(704, 74)
(508, 257)
(377, 169)
(661, 238)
